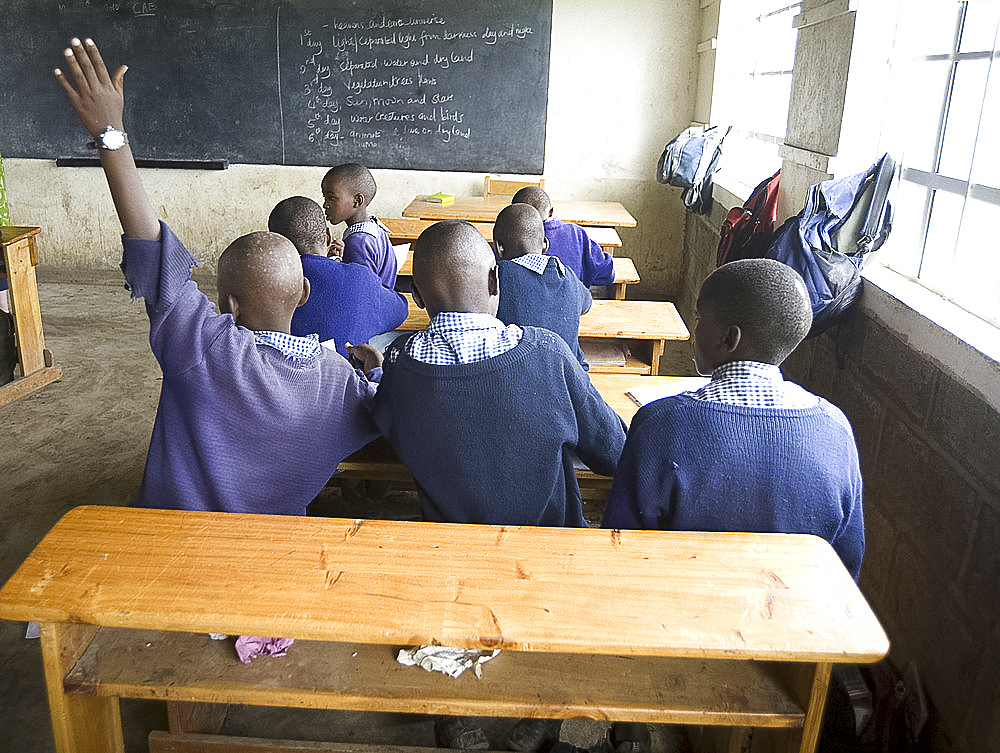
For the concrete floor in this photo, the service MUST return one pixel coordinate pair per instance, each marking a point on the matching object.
(82, 441)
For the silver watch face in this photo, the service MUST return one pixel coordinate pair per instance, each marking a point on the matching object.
(112, 139)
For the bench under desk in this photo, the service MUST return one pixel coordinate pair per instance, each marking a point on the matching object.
(724, 630)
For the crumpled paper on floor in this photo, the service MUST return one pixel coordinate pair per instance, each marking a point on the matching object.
(249, 647)
(445, 659)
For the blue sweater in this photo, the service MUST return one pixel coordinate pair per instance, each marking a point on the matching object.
(367, 243)
(569, 242)
(240, 427)
(494, 441)
(347, 303)
(553, 300)
(696, 465)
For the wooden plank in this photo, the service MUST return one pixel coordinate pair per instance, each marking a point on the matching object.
(23, 297)
(164, 742)
(26, 385)
(779, 597)
(620, 320)
(407, 229)
(359, 677)
(481, 209)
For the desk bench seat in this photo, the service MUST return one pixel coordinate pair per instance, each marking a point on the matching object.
(173, 666)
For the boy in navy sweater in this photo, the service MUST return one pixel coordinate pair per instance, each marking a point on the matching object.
(488, 416)
(568, 242)
(348, 189)
(749, 451)
(535, 289)
(347, 303)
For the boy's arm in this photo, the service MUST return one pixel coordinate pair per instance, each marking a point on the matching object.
(600, 265)
(99, 101)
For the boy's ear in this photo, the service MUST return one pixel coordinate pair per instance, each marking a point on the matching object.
(545, 245)
(232, 306)
(305, 288)
(493, 281)
(417, 298)
(359, 200)
(498, 247)
(732, 338)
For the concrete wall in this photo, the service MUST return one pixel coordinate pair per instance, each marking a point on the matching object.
(622, 83)
(928, 427)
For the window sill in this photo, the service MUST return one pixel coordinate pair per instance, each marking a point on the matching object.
(964, 346)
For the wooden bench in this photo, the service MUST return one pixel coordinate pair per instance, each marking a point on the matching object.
(643, 327)
(20, 256)
(725, 630)
(407, 230)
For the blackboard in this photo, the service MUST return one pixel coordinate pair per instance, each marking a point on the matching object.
(443, 85)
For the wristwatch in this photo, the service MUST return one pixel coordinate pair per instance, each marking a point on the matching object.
(110, 138)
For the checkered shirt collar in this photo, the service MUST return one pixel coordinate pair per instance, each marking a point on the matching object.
(289, 345)
(535, 262)
(461, 337)
(754, 384)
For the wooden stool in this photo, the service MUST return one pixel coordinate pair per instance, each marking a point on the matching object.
(21, 257)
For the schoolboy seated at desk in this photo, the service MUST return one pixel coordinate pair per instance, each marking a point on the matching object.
(536, 289)
(348, 189)
(250, 418)
(569, 242)
(749, 451)
(347, 302)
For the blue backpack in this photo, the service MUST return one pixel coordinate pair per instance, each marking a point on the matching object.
(843, 221)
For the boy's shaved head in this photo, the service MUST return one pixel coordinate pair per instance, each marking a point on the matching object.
(534, 196)
(766, 299)
(518, 231)
(454, 269)
(262, 273)
(355, 176)
(303, 222)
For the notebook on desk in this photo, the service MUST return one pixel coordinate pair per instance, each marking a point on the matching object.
(643, 394)
(604, 352)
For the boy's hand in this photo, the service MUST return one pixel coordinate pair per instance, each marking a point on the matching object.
(366, 355)
(97, 97)
(336, 248)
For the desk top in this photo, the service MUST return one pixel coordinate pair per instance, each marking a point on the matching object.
(480, 209)
(622, 320)
(408, 228)
(613, 388)
(721, 595)
(12, 233)
(625, 271)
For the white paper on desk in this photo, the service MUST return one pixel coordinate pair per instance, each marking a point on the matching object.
(401, 251)
(643, 394)
(445, 659)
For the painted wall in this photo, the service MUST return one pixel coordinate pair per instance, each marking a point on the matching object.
(622, 83)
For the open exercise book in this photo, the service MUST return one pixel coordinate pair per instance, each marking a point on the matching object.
(642, 394)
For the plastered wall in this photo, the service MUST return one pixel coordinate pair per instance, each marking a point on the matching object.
(622, 83)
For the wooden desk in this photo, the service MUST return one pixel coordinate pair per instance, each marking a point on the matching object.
(625, 273)
(480, 209)
(406, 230)
(378, 460)
(725, 630)
(21, 257)
(644, 326)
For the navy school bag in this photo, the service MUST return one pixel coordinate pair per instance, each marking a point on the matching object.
(843, 221)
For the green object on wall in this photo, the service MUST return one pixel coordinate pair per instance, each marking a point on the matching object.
(4, 211)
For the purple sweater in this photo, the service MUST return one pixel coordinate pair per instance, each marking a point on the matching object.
(240, 427)
(592, 264)
(367, 243)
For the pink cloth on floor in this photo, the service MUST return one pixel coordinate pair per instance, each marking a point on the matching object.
(248, 647)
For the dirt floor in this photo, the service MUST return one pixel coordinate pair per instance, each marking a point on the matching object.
(82, 441)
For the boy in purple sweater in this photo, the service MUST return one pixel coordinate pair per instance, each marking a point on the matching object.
(250, 418)
(348, 189)
(569, 242)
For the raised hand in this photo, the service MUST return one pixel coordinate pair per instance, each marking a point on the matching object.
(97, 97)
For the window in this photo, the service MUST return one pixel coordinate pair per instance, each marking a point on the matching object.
(943, 126)
(753, 82)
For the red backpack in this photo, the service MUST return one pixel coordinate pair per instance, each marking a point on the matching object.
(747, 230)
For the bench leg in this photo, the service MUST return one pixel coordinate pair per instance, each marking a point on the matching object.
(80, 724)
(206, 718)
